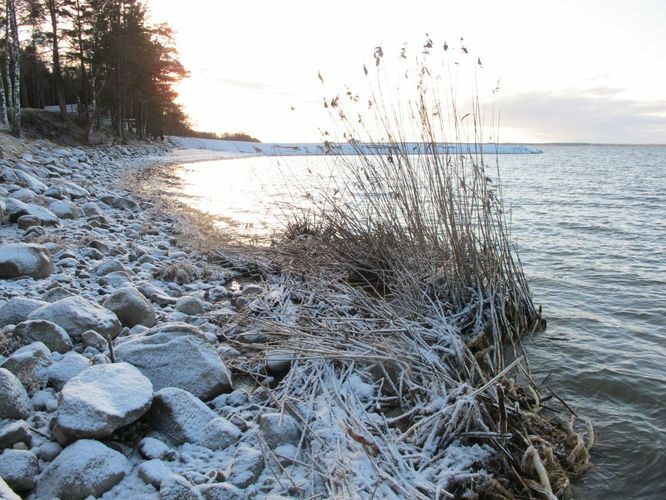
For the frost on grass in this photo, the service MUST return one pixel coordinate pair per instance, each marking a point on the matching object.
(402, 302)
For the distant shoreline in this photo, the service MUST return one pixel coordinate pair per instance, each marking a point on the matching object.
(331, 148)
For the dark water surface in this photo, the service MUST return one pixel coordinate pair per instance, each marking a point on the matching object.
(590, 226)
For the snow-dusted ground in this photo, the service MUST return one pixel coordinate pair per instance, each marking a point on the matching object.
(302, 149)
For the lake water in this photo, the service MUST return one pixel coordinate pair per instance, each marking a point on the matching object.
(590, 226)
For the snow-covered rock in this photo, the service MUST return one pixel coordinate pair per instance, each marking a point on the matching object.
(120, 203)
(246, 467)
(116, 279)
(27, 221)
(152, 448)
(14, 401)
(91, 338)
(85, 468)
(131, 307)
(63, 370)
(101, 399)
(14, 432)
(25, 195)
(220, 491)
(73, 190)
(278, 429)
(176, 487)
(91, 208)
(19, 468)
(189, 305)
(29, 364)
(153, 472)
(19, 260)
(76, 315)
(18, 309)
(162, 353)
(109, 266)
(56, 192)
(49, 450)
(156, 294)
(51, 335)
(16, 209)
(183, 418)
(26, 179)
(66, 209)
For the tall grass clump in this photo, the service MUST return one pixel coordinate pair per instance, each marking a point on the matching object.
(400, 306)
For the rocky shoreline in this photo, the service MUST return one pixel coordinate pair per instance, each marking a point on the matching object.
(113, 376)
(141, 356)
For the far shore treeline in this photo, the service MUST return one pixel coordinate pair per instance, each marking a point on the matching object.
(96, 62)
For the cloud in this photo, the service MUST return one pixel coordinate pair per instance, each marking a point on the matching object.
(597, 114)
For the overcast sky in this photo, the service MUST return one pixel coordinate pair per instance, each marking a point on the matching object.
(570, 70)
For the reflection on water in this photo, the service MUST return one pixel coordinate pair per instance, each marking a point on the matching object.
(590, 225)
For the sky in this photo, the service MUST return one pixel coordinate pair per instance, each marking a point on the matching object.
(569, 70)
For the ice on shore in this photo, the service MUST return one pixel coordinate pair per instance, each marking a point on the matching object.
(241, 148)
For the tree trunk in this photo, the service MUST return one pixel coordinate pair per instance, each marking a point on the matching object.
(4, 120)
(16, 69)
(84, 113)
(57, 73)
(7, 69)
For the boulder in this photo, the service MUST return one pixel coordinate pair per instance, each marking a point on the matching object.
(28, 221)
(189, 305)
(65, 209)
(152, 448)
(18, 309)
(25, 195)
(66, 368)
(14, 432)
(116, 279)
(14, 401)
(77, 315)
(30, 181)
(29, 364)
(101, 399)
(246, 467)
(221, 491)
(73, 190)
(109, 266)
(44, 400)
(99, 245)
(56, 293)
(49, 450)
(183, 418)
(56, 192)
(162, 352)
(91, 208)
(93, 339)
(18, 260)
(19, 468)
(131, 307)
(16, 209)
(120, 203)
(156, 294)
(153, 472)
(7, 175)
(85, 468)
(51, 335)
(278, 429)
(176, 487)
